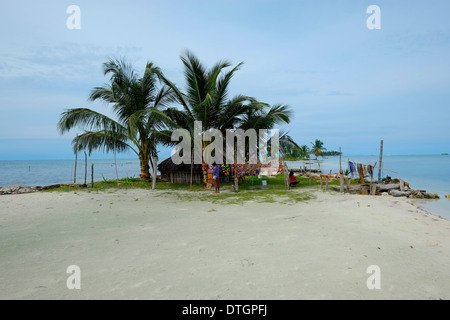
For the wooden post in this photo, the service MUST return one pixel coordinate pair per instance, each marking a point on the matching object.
(85, 168)
(76, 160)
(373, 189)
(286, 176)
(321, 182)
(381, 161)
(115, 164)
(92, 175)
(340, 163)
(326, 184)
(341, 178)
(192, 167)
(155, 168)
(309, 158)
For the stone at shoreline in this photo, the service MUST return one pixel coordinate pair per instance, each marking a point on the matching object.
(422, 194)
(16, 190)
(27, 189)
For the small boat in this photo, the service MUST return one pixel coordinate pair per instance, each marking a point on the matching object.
(444, 154)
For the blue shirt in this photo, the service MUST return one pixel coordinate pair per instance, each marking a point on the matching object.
(216, 171)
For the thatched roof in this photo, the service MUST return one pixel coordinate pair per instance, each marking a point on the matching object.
(168, 165)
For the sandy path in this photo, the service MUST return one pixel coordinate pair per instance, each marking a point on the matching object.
(140, 244)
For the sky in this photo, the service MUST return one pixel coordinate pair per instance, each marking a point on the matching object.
(348, 85)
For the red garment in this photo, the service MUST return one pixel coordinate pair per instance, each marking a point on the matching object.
(293, 179)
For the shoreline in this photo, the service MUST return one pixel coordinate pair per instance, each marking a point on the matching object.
(19, 189)
(149, 244)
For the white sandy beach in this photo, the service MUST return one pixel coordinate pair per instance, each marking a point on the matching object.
(143, 244)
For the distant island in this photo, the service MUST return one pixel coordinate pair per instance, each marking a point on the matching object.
(291, 157)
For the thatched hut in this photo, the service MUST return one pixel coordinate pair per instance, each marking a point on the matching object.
(180, 173)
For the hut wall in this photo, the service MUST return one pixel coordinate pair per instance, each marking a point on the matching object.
(184, 177)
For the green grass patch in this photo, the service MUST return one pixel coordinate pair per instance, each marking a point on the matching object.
(251, 189)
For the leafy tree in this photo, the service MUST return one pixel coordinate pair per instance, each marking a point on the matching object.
(137, 103)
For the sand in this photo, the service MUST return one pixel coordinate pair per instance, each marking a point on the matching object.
(143, 244)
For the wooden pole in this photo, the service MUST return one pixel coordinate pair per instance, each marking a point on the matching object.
(326, 188)
(85, 168)
(381, 161)
(309, 158)
(155, 168)
(76, 160)
(341, 180)
(192, 167)
(371, 183)
(115, 164)
(340, 163)
(286, 176)
(92, 175)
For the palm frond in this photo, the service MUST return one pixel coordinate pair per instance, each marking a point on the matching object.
(86, 119)
(105, 141)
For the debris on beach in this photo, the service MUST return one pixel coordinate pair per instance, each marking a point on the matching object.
(395, 188)
(27, 189)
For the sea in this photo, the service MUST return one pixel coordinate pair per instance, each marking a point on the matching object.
(422, 172)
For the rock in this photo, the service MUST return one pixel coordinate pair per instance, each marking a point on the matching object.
(422, 194)
(16, 190)
(417, 194)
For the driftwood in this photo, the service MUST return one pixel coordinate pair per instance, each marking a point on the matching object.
(399, 193)
(387, 187)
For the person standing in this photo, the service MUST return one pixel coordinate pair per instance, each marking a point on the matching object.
(216, 174)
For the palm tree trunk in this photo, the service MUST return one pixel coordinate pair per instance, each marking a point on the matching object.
(145, 167)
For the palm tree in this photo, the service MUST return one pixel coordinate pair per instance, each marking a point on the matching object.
(206, 100)
(140, 125)
(304, 151)
(317, 148)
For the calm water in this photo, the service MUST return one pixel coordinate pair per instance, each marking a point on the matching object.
(48, 172)
(431, 173)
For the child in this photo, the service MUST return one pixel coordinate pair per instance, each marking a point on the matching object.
(292, 181)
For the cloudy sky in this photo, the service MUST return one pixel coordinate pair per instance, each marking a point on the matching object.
(349, 86)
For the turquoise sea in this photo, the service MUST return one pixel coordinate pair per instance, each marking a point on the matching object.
(428, 172)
